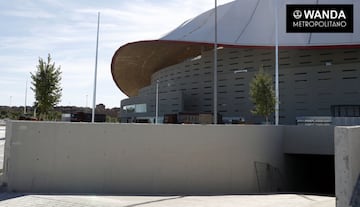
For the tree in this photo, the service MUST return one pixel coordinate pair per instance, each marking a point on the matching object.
(262, 94)
(46, 86)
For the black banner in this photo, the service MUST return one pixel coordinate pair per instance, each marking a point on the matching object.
(304, 18)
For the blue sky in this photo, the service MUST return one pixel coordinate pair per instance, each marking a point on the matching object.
(67, 30)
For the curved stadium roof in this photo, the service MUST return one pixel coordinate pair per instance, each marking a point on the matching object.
(241, 23)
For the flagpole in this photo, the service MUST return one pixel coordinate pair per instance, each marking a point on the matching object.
(95, 73)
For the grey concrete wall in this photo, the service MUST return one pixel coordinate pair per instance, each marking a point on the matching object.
(137, 159)
(347, 163)
(309, 140)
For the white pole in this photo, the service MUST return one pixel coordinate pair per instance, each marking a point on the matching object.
(276, 65)
(215, 64)
(95, 74)
(25, 96)
(157, 102)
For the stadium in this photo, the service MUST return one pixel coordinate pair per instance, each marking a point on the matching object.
(318, 72)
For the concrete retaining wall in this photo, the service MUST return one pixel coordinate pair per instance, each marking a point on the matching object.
(347, 163)
(142, 159)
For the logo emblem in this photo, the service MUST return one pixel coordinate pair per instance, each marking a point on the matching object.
(297, 14)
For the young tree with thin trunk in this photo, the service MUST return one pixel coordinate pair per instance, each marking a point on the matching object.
(46, 86)
(262, 94)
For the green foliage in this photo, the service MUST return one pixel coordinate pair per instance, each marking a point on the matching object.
(262, 94)
(46, 86)
(111, 119)
(10, 114)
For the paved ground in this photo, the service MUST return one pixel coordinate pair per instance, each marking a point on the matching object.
(281, 200)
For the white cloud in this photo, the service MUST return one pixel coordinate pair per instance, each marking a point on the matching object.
(67, 30)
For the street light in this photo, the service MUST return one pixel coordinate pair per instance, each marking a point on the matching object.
(25, 97)
(95, 72)
(157, 102)
(215, 64)
(276, 64)
(157, 99)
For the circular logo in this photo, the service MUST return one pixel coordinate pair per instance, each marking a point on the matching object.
(297, 14)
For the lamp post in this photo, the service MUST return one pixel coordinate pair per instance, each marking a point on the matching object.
(25, 97)
(157, 102)
(215, 64)
(95, 73)
(276, 64)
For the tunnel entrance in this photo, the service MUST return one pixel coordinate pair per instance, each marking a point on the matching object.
(311, 173)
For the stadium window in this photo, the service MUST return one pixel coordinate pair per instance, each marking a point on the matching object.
(284, 58)
(284, 64)
(353, 58)
(265, 60)
(325, 71)
(349, 70)
(305, 62)
(266, 53)
(328, 53)
(350, 51)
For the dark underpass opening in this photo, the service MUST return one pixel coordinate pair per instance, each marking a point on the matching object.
(311, 173)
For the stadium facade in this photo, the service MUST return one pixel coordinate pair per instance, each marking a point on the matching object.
(319, 73)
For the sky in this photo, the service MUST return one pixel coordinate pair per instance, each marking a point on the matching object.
(67, 31)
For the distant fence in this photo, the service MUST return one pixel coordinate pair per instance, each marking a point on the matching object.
(327, 120)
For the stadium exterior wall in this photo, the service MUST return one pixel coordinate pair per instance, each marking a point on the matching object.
(311, 82)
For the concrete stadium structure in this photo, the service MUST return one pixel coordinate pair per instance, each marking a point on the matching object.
(318, 72)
